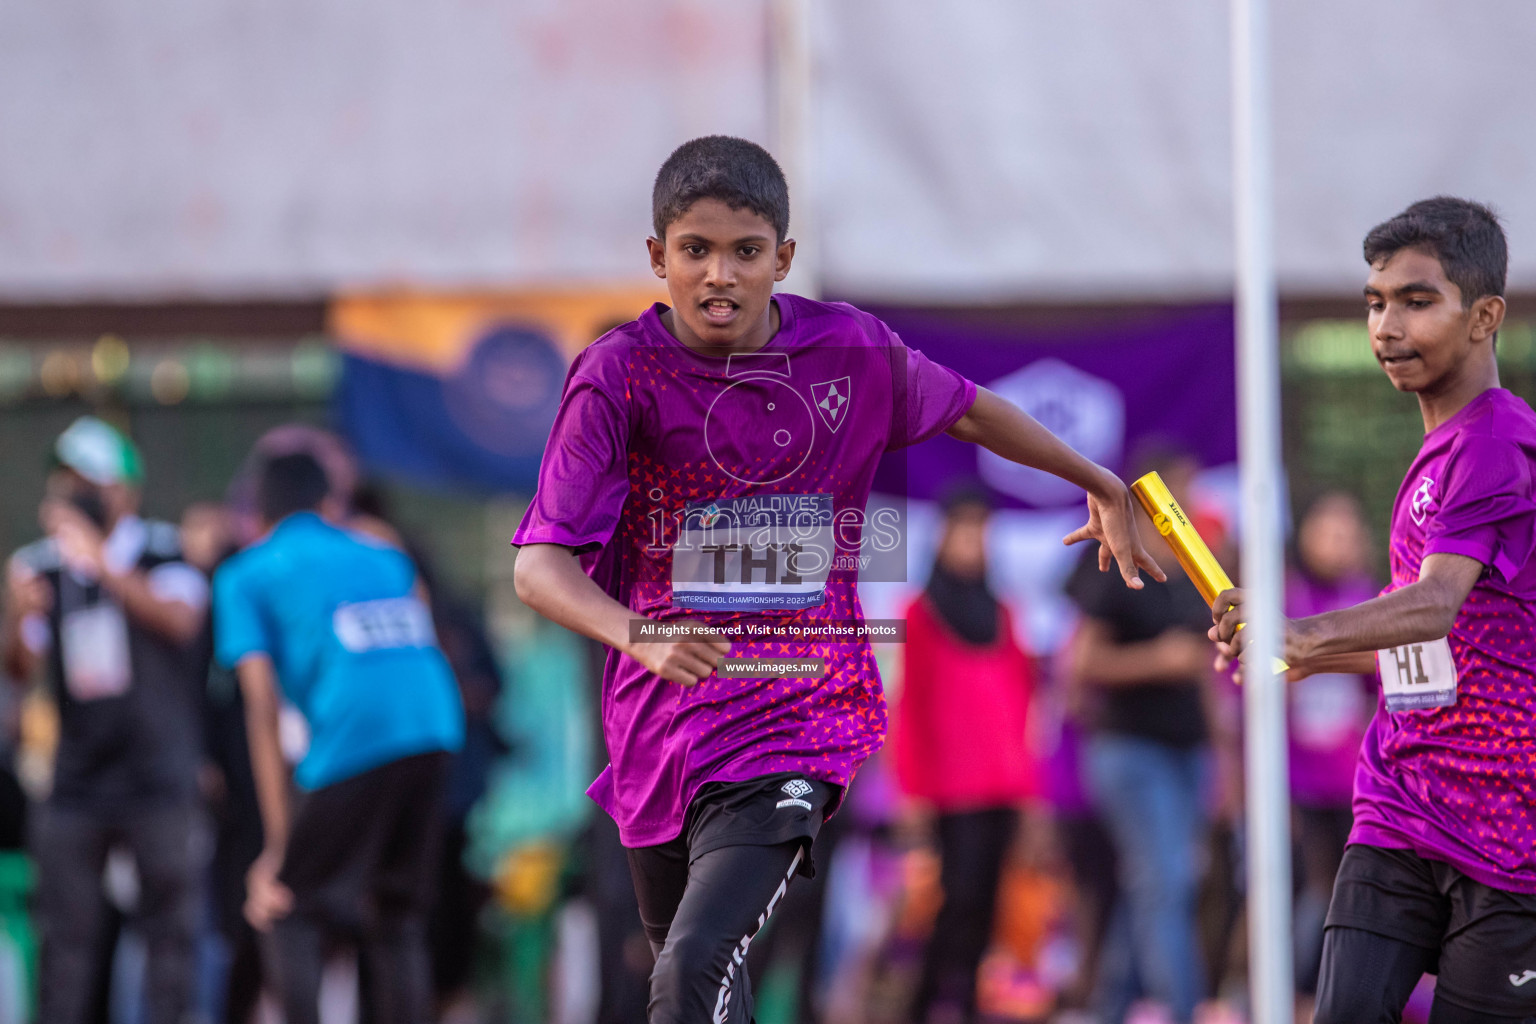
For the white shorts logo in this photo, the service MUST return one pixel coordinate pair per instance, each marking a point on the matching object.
(797, 789)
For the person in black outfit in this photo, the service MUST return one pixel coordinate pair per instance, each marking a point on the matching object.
(108, 608)
(1146, 659)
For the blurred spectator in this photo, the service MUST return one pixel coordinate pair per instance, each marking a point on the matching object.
(336, 620)
(1328, 714)
(107, 604)
(1083, 842)
(325, 447)
(960, 748)
(1147, 660)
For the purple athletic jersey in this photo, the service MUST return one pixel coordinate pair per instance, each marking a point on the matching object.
(1457, 782)
(734, 491)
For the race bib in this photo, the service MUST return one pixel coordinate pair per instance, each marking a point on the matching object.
(386, 624)
(95, 649)
(770, 551)
(1418, 676)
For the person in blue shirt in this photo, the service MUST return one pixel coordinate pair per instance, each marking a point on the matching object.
(335, 622)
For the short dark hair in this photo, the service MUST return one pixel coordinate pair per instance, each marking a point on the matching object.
(291, 483)
(736, 172)
(1464, 236)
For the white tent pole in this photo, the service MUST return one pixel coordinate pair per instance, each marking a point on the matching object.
(1268, 806)
(792, 74)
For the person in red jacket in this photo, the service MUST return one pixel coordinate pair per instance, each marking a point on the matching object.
(959, 740)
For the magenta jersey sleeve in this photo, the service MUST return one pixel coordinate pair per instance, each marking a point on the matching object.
(583, 480)
(1487, 511)
(928, 398)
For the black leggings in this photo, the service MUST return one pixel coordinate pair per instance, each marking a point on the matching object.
(1367, 978)
(701, 918)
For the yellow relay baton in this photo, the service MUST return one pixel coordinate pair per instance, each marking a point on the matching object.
(1188, 546)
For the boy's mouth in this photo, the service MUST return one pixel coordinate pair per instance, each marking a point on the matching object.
(719, 311)
(1396, 358)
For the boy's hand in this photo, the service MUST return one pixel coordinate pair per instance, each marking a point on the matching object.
(682, 661)
(1232, 640)
(1112, 522)
(266, 899)
(1227, 613)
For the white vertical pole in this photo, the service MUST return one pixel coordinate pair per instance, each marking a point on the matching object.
(792, 71)
(1269, 840)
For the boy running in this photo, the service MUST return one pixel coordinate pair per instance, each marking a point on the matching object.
(1440, 873)
(710, 466)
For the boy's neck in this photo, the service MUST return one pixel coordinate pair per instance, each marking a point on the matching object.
(1476, 376)
(754, 338)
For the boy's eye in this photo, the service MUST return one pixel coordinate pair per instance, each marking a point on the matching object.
(749, 251)
(1417, 303)
(694, 250)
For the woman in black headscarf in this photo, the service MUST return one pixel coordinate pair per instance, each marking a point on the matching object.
(960, 747)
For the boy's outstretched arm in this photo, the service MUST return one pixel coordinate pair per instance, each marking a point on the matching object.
(1008, 431)
(549, 580)
(1420, 612)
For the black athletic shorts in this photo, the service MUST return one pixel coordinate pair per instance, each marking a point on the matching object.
(1486, 936)
(366, 847)
(763, 811)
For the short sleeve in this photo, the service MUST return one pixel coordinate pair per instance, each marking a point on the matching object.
(584, 478)
(927, 399)
(1487, 510)
(239, 629)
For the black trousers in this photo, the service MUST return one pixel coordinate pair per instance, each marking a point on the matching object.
(972, 847)
(706, 895)
(71, 846)
(361, 861)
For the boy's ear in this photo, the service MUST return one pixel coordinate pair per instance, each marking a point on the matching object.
(1487, 316)
(658, 250)
(782, 258)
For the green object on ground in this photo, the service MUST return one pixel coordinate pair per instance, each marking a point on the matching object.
(17, 939)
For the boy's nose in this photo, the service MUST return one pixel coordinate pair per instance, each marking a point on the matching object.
(1388, 325)
(720, 271)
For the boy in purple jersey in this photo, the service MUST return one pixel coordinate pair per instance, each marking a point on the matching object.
(1440, 873)
(709, 470)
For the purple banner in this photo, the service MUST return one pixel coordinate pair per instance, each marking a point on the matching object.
(1160, 375)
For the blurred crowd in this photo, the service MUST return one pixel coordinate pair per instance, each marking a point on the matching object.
(1043, 838)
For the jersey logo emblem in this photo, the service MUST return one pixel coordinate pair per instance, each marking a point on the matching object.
(1419, 506)
(1518, 981)
(831, 398)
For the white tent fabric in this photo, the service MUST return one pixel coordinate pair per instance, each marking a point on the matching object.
(984, 150)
